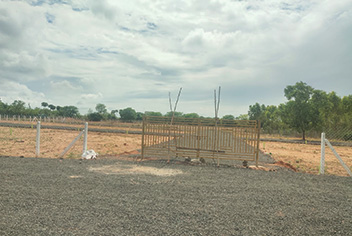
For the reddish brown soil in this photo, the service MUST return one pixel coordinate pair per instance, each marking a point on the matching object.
(21, 142)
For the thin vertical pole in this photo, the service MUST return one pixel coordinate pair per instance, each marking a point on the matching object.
(37, 144)
(143, 136)
(258, 140)
(85, 138)
(322, 157)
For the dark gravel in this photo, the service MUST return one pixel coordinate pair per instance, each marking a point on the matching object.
(38, 197)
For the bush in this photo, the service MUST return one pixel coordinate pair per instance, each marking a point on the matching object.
(347, 137)
(95, 116)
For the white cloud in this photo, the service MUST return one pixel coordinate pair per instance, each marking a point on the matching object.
(11, 91)
(132, 54)
(91, 96)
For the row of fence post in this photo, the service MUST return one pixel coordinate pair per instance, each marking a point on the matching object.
(32, 118)
(83, 132)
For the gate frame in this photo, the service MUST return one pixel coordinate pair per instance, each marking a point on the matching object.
(165, 126)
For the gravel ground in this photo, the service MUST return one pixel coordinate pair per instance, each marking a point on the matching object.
(63, 197)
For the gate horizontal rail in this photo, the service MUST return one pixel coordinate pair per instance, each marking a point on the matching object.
(206, 138)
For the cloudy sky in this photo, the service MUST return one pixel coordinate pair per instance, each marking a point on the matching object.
(133, 53)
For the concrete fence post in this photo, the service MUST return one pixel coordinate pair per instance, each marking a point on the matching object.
(85, 141)
(322, 157)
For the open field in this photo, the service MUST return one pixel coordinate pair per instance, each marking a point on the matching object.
(21, 142)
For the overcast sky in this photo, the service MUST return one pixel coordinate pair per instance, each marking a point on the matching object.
(133, 53)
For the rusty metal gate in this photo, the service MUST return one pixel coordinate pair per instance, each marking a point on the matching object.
(207, 138)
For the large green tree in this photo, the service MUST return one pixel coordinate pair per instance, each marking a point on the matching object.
(17, 108)
(101, 108)
(228, 117)
(69, 111)
(298, 111)
(128, 114)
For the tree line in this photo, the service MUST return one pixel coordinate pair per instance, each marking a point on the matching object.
(306, 109)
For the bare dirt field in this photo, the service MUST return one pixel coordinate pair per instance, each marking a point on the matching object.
(21, 142)
(306, 158)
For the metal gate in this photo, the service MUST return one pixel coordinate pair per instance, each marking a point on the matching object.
(207, 138)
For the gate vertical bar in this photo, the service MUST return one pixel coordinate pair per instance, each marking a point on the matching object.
(37, 142)
(143, 131)
(258, 139)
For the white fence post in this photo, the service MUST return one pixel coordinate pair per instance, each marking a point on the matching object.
(322, 158)
(85, 138)
(37, 144)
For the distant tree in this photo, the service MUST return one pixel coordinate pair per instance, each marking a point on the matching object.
(191, 115)
(69, 111)
(228, 117)
(128, 114)
(101, 108)
(114, 111)
(152, 113)
(112, 115)
(52, 107)
(242, 117)
(95, 116)
(45, 104)
(17, 107)
(139, 116)
(256, 111)
(3, 107)
(177, 114)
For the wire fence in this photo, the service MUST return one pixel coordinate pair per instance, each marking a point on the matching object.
(21, 141)
(18, 138)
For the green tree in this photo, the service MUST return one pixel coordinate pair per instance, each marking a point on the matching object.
(52, 107)
(176, 114)
(242, 117)
(101, 108)
(3, 107)
(128, 114)
(17, 107)
(139, 116)
(95, 116)
(191, 115)
(256, 112)
(45, 104)
(297, 112)
(228, 117)
(152, 113)
(112, 115)
(69, 111)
